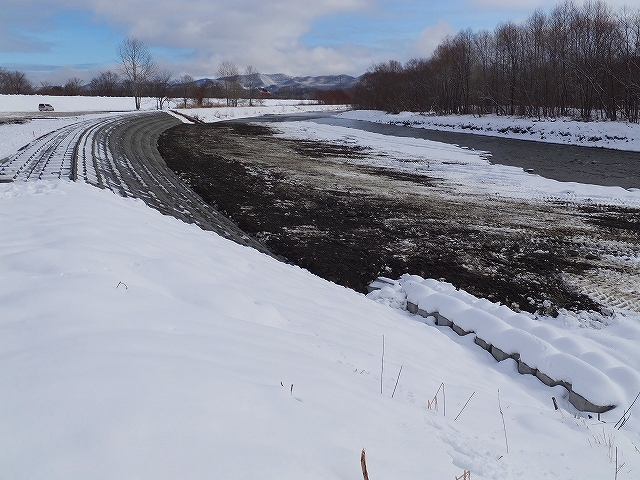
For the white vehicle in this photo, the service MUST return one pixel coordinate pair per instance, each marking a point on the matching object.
(45, 107)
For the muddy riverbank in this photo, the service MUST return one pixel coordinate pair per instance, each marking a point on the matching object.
(348, 223)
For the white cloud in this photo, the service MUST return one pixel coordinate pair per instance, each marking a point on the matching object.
(430, 38)
(531, 5)
(248, 32)
(266, 35)
(514, 5)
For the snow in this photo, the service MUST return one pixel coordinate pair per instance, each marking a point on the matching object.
(268, 107)
(617, 135)
(133, 345)
(15, 135)
(554, 352)
(460, 166)
(29, 103)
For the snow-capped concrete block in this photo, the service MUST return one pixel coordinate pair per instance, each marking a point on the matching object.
(590, 388)
(498, 354)
(525, 369)
(546, 379)
(480, 342)
(380, 283)
(412, 307)
(585, 405)
(460, 331)
(442, 321)
(479, 321)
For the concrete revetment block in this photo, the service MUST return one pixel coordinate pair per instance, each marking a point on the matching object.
(480, 342)
(498, 354)
(525, 369)
(548, 381)
(442, 321)
(460, 331)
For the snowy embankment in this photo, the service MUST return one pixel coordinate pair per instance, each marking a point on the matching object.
(617, 135)
(595, 381)
(135, 345)
(267, 107)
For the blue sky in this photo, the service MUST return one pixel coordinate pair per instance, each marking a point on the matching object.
(53, 40)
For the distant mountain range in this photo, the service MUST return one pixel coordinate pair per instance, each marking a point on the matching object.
(279, 81)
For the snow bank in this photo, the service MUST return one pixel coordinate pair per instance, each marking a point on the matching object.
(554, 356)
(617, 135)
(134, 345)
(269, 107)
(459, 168)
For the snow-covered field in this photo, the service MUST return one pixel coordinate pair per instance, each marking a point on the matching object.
(133, 345)
(13, 136)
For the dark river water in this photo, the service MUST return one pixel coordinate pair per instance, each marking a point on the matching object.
(566, 163)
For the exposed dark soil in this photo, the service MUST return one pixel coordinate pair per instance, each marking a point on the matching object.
(312, 204)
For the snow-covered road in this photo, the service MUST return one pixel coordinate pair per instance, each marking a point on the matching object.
(119, 152)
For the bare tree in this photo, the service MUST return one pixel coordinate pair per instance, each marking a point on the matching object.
(629, 68)
(105, 84)
(251, 77)
(73, 86)
(230, 82)
(160, 87)
(17, 83)
(186, 85)
(45, 88)
(200, 91)
(3, 80)
(136, 65)
(575, 60)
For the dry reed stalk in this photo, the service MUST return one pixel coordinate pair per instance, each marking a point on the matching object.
(504, 425)
(444, 400)
(397, 380)
(465, 406)
(382, 366)
(363, 463)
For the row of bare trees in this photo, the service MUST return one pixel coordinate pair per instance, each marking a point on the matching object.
(14, 82)
(106, 83)
(582, 60)
(139, 76)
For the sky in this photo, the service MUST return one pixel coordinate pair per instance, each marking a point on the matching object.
(54, 40)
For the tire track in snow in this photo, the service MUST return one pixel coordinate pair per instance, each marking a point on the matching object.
(119, 152)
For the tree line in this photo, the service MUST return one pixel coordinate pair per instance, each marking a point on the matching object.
(138, 75)
(575, 60)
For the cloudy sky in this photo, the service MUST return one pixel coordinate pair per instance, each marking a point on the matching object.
(53, 40)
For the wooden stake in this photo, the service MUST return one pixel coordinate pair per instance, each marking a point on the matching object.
(555, 403)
